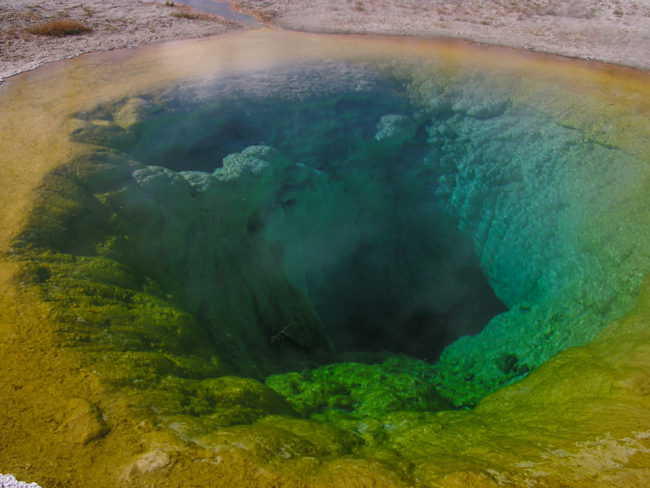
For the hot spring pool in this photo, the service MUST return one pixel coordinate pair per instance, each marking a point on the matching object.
(286, 259)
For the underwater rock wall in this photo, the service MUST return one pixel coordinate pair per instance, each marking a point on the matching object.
(385, 267)
(207, 253)
(169, 234)
(558, 219)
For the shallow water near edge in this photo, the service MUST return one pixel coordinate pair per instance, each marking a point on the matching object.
(278, 230)
(221, 8)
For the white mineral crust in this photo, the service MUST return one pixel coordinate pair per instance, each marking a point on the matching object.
(9, 481)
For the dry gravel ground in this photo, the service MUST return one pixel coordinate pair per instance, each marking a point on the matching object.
(614, 31)
(114, 23)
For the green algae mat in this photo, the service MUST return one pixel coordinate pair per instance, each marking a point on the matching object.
(280, 259)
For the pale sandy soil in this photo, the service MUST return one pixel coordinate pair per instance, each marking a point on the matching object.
(114, 23)
(614, 31)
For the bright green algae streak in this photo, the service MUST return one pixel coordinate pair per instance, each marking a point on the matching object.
(348, 391)
(178, 278)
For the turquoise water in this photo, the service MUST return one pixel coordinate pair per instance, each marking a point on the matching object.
(356, 230)
(346, 213)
